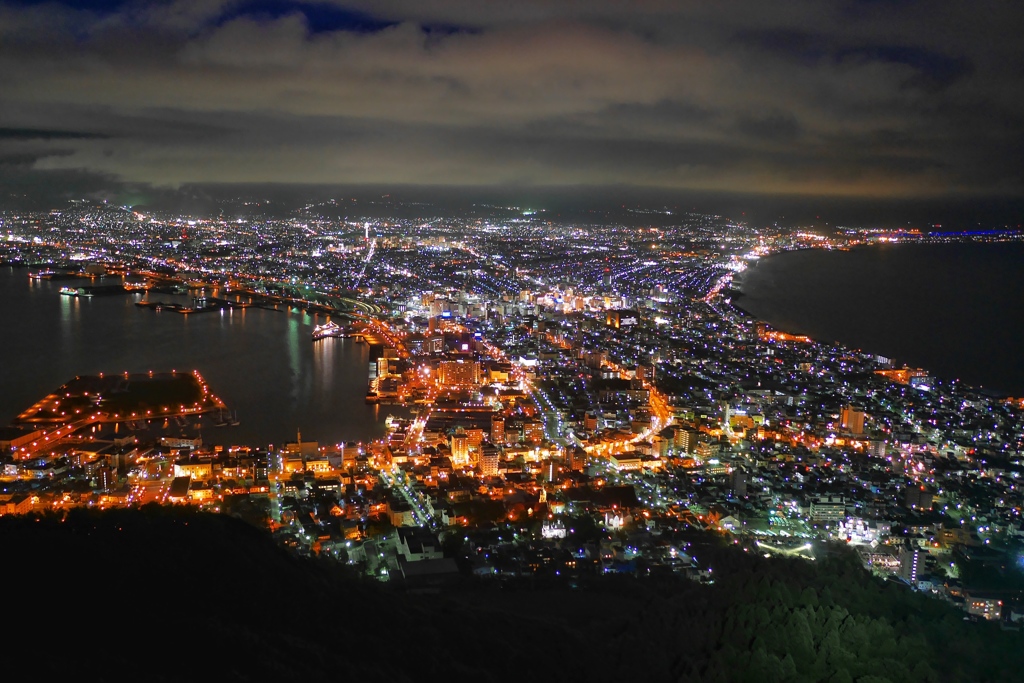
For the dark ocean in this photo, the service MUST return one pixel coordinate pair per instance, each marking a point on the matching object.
(956, 310)
(262, 363)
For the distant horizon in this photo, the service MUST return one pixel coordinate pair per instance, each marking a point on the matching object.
(564, 202)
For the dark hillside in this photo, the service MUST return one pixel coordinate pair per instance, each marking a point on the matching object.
(168, 594)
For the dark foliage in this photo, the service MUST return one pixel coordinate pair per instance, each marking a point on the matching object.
(168, 594)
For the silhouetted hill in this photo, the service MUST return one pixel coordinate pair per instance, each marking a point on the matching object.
(169, 594)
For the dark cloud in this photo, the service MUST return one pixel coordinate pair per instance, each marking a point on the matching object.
(929, 68)
(38, 134)
(793, 44)
(320, 17)
(932, 69)
(809, 97)
(773, 127)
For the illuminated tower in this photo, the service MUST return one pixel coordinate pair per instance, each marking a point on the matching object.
(497, 429)
(459, 445)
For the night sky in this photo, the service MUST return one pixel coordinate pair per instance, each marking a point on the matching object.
(858, 99)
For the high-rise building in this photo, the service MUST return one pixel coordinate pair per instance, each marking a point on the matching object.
(454, 373)
(851, 420)
(738, 481)
(645, 373)
(911, 563)
(533, 431)
(434, 343)
(261, 467)
(475, 435)
(497, 429)
(576, 459)
(459, 443)
(489, 461)
(686, 439)
(105, 478)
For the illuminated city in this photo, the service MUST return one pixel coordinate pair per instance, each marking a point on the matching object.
(538, 396)
(501, 338)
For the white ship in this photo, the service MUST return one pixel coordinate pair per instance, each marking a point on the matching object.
(329, 329)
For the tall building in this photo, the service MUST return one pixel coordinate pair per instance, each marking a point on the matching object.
(851, 420)
(911, 563)
(533, 431)
(459, 443)
(497, 429)
(455, 373)
(475, 436)
(106, 478)
(738, 482)
(576, 459)
(489, 461)
(645, 373)
(434, 343)
(686, 439)
(261, 467)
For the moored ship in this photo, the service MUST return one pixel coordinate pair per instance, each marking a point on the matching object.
(76, 291)
(328, 329)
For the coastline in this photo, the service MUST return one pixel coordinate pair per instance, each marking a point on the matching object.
(964, 329)
(325, 384)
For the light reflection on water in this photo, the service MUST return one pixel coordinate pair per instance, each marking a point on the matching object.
(262, 363)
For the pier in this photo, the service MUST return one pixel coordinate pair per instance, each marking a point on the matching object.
(206, 304)
(64, 414)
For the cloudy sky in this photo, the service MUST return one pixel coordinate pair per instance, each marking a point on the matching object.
(853, 98)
